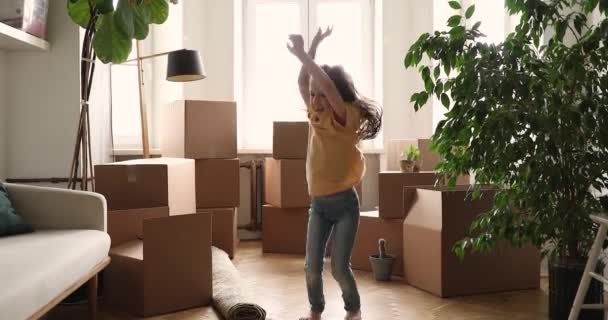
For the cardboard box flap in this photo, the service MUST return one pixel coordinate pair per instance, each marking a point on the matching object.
(152, 161)
(132, 249)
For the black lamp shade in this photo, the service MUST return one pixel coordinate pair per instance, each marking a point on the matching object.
(185, 65)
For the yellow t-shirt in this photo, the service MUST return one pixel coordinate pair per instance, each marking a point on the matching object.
(334, 162)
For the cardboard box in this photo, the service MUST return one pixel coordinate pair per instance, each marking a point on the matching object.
(169, 271)
(371, 229)
(148, 183)
(394, 149)
(284, 230)
(217, 183)
(27, 15)
(224, 230)
(438, 219)
(390, 191)
(428, 160)
(285, 184)
(199, 130)
(127, 225)
(290, 140)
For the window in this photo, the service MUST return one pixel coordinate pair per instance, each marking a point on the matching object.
(270, 72)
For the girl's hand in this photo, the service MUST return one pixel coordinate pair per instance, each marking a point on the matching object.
(297, 45)
(321, 35)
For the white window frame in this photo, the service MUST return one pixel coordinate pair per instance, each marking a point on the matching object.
(246, 71)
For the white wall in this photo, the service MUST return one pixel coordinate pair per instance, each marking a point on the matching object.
(3, 131)
(43, 102)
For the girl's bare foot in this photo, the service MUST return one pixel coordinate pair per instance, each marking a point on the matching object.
(353, 315)
(312, 316)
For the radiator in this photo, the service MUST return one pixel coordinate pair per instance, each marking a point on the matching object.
(256, 189)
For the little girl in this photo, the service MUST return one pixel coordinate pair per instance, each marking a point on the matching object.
(340, 118)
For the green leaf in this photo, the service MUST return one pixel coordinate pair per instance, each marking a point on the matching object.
(437, 72)
(429, 85)
(111, 43)
(469, 13)
(457, 31)
(454, 21)
(80, 12)
(477, 25)
(141, 21)
(104, 6)
(124, 17)
(159, 11)
(445, 100)
(455, 5)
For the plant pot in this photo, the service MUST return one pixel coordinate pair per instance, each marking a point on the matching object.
(564, 279)
(382, 267)
(407, 166)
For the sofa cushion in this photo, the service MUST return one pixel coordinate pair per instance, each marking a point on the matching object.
(10, 222)
(37, 267)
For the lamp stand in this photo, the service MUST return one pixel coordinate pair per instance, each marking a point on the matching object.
(142, 103)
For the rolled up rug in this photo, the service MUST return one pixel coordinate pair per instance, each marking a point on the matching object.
(230, 298)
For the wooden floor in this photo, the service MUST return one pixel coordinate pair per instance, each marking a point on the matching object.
(278, 283)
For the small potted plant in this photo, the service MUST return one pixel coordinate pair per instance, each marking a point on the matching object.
(382, 263)
(410, 157)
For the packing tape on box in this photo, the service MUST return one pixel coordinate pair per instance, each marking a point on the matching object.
(131, 174)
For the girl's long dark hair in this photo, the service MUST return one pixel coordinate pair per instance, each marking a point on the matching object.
(371, 110)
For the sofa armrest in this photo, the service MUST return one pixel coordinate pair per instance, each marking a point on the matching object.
(54, 208)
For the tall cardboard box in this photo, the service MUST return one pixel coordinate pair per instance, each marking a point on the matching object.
(438, 219)
(169, 270)
(290, 140)
(224, 230)
(394, 149)
(284, 230)
(285, 184)
(199, 130)
(391, 193)
(428, 159)
(371, 229)
(148, 183)
(217, 183)
(127, 225)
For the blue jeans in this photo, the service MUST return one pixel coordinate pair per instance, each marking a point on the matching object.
(339, 212)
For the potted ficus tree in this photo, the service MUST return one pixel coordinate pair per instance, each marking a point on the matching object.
(528, 115)
(409, 161)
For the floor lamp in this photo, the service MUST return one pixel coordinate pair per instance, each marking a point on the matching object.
(182, 66)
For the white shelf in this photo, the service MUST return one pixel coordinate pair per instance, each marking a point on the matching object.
(12, 39)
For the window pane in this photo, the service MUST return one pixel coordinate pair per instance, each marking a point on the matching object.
(492, 16)
(273, 93)
(345, 45)
(126, 120)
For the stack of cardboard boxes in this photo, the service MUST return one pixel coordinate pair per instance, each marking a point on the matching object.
(161, 250)
(285, 215)
(206, 132)
(393, 204)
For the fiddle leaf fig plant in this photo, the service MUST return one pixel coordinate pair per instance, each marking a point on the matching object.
(528, 115)
(114, 28)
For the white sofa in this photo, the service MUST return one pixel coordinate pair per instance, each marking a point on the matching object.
(68, 248)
